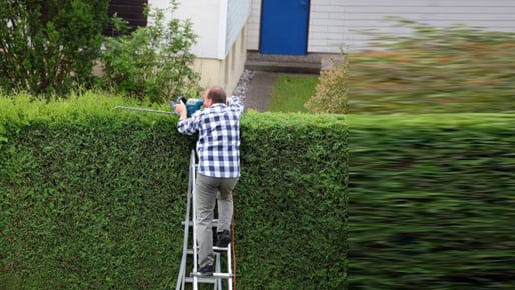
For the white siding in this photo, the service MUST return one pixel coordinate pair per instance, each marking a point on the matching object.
(334, 23)
(326, 26)
(237, 15)
(368, 15)
(253, 25)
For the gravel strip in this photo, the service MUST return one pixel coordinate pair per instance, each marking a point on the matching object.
(243, 84)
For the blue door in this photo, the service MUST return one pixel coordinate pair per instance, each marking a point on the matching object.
(284, 27)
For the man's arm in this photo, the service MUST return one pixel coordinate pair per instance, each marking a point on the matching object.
(235, 104)
(186, 126)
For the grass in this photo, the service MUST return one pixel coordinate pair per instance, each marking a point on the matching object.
(291, 92)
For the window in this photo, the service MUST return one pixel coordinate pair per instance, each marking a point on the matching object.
(130, 10)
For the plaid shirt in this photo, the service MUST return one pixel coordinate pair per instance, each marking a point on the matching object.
(218, 145)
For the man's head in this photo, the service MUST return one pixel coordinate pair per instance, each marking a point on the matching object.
(214, 95)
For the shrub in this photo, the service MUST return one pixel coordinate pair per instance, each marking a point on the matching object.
(153, 62)
(431, 202)
(332, 90)
(93, 198)
(48, 47)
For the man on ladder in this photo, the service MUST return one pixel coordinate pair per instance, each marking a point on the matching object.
(218, 171)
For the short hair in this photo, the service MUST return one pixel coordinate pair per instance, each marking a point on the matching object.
(217, 95)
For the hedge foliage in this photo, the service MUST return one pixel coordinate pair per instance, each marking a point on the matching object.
(93, 198)
(431, 201)
(456, 69)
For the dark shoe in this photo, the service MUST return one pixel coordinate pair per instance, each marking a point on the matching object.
(223, 239)
(205, 271)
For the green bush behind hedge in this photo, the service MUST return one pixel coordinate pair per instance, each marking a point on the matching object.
(431, 201)
(93, 198)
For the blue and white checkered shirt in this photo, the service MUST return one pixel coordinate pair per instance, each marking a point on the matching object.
(218, 145)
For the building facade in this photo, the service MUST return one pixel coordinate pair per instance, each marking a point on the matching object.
(226, 29)
(332, 24)
(221, 45)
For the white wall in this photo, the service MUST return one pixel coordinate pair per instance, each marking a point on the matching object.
(204, 15)
(218, 23)
(253, 25)
(369, 15)
(238, 12)
(326, 25)
(220, 27)
(334, 23)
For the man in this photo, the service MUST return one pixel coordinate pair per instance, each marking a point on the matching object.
(218, 150)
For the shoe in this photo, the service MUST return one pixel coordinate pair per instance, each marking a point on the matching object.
(223, 239)
(205, 271)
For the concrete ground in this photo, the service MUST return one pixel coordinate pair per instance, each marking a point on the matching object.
(259, 90)
(261, 72)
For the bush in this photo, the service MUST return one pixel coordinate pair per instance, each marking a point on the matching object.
(93, 198)
(48, 47)
(153, 62)
(431, 202)
(332, 90)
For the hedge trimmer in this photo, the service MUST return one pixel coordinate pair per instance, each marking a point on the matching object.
(192, 105)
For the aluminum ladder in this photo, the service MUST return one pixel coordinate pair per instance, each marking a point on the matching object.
(191, 221)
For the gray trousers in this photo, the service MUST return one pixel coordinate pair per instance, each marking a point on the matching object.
(208, 190)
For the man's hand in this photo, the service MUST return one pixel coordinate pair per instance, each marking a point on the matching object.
(180, 108)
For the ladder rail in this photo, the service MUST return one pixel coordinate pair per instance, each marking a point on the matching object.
(194, 219)
(191, 221)
(182, 269)
(229, 267)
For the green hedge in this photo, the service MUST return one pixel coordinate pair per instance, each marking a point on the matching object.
(93, 198)
(432, 202)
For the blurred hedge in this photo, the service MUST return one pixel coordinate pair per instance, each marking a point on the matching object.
(92, 198)
(432, 201)
(455, 69)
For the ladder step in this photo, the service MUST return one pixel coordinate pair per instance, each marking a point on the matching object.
(207, 280)
(220, 249)
(217, 250)
(215, 275)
